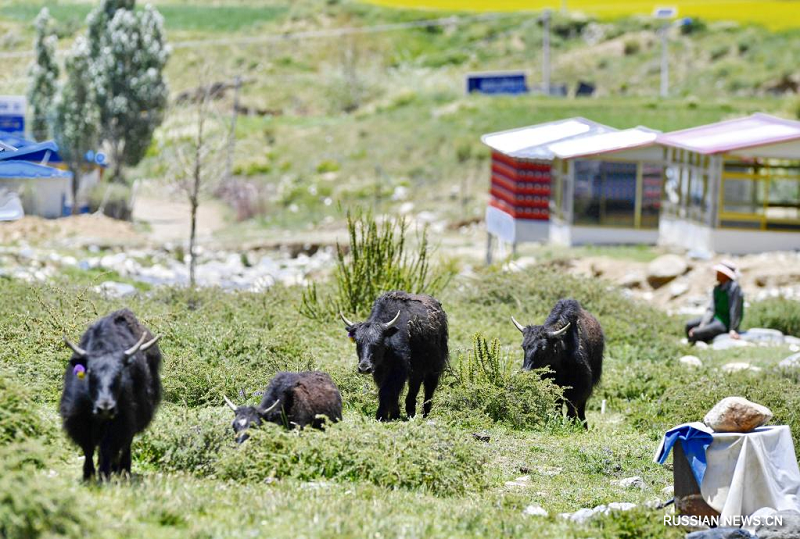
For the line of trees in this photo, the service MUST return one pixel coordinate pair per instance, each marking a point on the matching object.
(114, 94)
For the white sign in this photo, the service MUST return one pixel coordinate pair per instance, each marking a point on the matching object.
(12, 113)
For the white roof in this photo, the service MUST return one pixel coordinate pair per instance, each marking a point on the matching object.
(734, 136)
(532, 142)
(603, 143)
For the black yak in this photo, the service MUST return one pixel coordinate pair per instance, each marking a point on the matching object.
(111, 390)
(404, 338)
(291, 399)
(570, 343)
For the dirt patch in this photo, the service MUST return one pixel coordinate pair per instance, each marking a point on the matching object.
(78, 229)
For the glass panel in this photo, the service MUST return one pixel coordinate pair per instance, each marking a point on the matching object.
(605, 193)
(784, 199)
(743, 196)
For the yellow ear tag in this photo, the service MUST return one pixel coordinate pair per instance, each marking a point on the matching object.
(352, 339)
(82, 375)
(80, 371)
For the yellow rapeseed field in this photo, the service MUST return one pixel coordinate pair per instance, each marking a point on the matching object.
(774, 14)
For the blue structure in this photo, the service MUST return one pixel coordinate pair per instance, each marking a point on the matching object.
(497, 83)
(44, 191)
(34, 152)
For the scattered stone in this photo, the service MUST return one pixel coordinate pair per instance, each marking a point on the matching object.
(791, 340)
(668, 491)
(534, 510)
(691, 361)
(620, 506)
(664, 269)
(113, 289)
(700, 345)
(581, 516)
(721, 533)
(523, 481)
(791, 362)
(739, 366)
(481, 436)
(633, 279)
(725, 342)
(678, 289)
(630, 482)
(759, 335)
(790, 528)
(794, 348)
(737, 414)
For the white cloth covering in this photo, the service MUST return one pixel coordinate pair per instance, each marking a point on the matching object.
(749, 471)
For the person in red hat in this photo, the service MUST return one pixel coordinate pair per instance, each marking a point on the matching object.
(725, 311)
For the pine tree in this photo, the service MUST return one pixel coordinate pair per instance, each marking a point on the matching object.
(128, 66)
(43, 75)
(76, 118)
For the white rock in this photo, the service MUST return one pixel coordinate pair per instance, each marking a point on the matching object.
(738, 366)
(113, 289)
(630, 482)
(772, 336)
(664, 269)
(582, 515)
(791, 340)
(668, 491)
(620, 506)
(794, 348)
(725, 342)
(791, 362)
(534, 510)
(678, 289)
(700, 345)
(405, 208)
(691, 361)
(737, 414)
(523, 481)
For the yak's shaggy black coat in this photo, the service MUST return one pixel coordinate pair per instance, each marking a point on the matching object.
(575, 357)
(132, 385)
(413, 349)
(293, 399)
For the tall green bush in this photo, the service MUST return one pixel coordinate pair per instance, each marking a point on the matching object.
(779, 313)
(484, 384)
(378, 260)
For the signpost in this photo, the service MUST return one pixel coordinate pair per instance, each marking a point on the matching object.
(497, 83)
(665, 13)
(12, 114)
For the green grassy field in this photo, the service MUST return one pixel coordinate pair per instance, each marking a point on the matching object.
(418, 478)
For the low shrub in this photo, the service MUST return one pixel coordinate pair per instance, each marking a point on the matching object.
(485, 384)
(112, 199)
(415, 455)
(778, 313)
(18, 416)
(32, 505)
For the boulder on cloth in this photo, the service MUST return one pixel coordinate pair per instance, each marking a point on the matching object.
(789, 528)
(664, 269)
(736, 414)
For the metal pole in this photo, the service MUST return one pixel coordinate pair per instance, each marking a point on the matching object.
(546, 52)
(664, 62)
(237, 83)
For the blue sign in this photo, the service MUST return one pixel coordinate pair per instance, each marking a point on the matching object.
(12, 114)
(498, 83)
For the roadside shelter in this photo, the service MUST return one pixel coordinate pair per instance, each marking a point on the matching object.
(519, 196)
(606, 188)
(733, 186)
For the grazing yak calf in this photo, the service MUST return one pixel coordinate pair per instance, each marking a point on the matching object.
(570, 343)
(111, 390)
(405, 337)
(292, 398)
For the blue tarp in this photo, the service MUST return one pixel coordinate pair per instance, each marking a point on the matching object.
(694, 439)
(24, 169)
(36, 152)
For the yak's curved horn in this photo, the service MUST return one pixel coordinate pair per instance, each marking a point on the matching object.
(229, 403)
(392, 322)
(149, 343)
(347, 322)
(517, 324)
(274, 404)
(75, 348)
(135, 348)
(561, 331)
